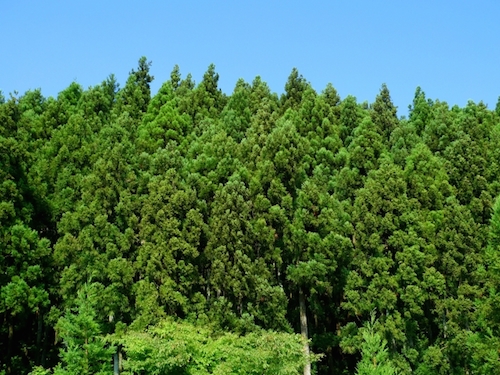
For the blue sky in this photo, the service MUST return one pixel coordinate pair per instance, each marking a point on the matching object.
(449, 48)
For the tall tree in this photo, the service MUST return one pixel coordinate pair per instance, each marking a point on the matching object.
(136, 94)
(384, 113)
(84, 351)
(25, 255)
(294, 89)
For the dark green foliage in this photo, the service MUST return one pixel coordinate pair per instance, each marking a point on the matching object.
(483, 342)
(295, 87)
(207, 100)
(25, 254)
(383, 114)
(135, 96)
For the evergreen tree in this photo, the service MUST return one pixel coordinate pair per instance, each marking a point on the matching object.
(294, 89)
(384, 114)
(207, 100)
(420, 111)
(301, 212)
(167, 260)
(25, 255)
(84, 351)
(136, 94)
(236, 116)
(374, 354)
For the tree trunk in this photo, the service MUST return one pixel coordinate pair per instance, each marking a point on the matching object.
(39, 333)
(116, 362)
(303, 330)
(47, 332)
(9, 347)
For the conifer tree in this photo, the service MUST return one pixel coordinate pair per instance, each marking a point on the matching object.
(420, 111)
(384, 114)
(25, 255)
(136, 94)
(374, 353)
(84, 349)
(294, 89)
(208, 100)
(350, 117)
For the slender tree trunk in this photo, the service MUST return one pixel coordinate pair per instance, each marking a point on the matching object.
(303, 330)
(47, 332)
(120, 359)
(39, 333)
(9, 347)
(116, 361)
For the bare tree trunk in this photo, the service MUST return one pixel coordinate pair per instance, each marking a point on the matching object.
(116, 362)
(303, 331)
(39, 332)
(9, 347)
(47, 332)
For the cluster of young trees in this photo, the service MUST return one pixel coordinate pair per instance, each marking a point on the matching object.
(200, 233)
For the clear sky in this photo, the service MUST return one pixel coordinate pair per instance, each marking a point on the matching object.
(449, 48)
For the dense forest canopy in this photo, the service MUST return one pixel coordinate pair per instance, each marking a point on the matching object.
(194, 232)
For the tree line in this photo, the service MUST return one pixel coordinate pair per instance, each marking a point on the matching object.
(202, 233)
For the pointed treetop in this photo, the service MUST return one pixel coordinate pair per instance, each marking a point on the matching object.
(141, 75)
(294, 88)
(175, 76)
(331, 95)
(211, 79)
(384, 113)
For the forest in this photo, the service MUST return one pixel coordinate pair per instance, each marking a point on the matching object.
(196, 232)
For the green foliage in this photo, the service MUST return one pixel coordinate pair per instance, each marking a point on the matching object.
(245, 212)
(39, 370)
(384, 113)
(374, 354)
(135, 96)
(84, 350)
(181, 348)
(294, 89)
(484, 344)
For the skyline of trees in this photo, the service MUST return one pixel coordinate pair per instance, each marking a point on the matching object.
(247, 217)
